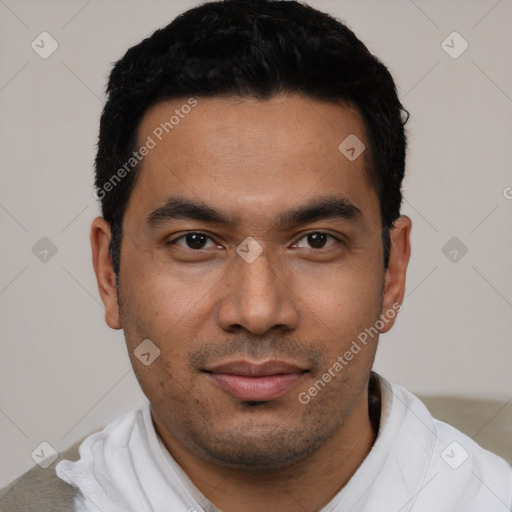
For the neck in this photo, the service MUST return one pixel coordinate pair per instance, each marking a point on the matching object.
(289, 488)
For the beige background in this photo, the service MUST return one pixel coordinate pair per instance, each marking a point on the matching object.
(63, 373)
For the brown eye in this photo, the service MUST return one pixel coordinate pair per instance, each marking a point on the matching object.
(316, 240)
(193, 240)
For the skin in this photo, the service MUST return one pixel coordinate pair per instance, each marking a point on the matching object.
(302, 300)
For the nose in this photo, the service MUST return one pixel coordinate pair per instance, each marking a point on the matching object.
(260, 298)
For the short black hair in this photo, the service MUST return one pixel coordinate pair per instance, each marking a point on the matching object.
(257, 49)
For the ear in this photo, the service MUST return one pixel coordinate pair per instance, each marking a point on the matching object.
(105, 275)
(394, 284)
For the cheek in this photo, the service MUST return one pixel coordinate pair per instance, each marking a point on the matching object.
(157, 300)
(159, 311)
(340, 307)
(342, 293)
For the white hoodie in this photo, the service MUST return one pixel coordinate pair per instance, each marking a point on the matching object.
(417, 464)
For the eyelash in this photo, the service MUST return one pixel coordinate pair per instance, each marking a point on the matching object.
(172, 242)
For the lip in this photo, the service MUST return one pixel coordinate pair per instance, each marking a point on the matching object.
(256, 382)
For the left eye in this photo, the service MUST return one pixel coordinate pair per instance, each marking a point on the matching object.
(316, 240)
(194, 240)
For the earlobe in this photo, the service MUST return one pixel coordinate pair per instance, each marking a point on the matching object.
(105, 275)
(399, 254)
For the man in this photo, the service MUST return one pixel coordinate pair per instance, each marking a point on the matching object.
(252, 250)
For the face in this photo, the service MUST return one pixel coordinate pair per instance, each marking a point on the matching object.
(252, 259)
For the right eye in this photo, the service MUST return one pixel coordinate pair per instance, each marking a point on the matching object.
(193, 240)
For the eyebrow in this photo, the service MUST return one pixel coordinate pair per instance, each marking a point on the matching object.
(324, 208)
(177, 208)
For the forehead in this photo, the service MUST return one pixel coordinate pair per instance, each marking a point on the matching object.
(247, 155)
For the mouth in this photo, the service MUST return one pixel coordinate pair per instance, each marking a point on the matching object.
(256, 382)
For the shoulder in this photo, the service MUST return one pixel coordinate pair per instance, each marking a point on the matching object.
(40, 490)
(468, 476)
(464, 456)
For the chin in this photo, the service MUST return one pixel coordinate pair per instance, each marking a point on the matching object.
(260, 448)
